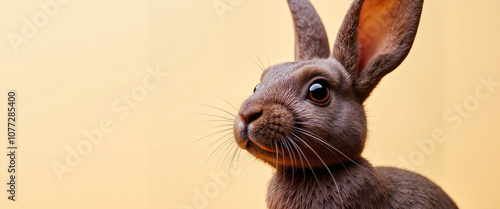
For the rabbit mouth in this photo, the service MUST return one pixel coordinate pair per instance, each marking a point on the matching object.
(250, 144)
(264, 153)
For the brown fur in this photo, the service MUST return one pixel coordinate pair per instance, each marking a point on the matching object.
(308, 29)
(316, 147)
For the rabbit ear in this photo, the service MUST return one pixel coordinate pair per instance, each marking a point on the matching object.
(375, 38)
(310, 35)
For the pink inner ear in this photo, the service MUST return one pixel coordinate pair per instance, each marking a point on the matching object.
(374, 27)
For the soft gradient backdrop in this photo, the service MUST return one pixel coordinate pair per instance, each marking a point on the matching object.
(77, 65)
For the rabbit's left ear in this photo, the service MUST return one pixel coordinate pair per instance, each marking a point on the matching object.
(375, 37)
(310, 35)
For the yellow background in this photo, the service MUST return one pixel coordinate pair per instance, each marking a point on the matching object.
(90, 53)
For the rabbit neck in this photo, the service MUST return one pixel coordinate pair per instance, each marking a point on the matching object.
(354, 185)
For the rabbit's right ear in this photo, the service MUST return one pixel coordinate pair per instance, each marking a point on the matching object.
(375, 37)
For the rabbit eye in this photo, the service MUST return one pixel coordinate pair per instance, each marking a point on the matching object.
(319, 92)
(256, 87)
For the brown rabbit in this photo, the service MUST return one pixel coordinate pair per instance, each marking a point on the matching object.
(306, 118)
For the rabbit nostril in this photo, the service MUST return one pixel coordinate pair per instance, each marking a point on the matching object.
(252, 115)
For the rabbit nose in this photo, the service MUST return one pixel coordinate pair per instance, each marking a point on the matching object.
(251, 114)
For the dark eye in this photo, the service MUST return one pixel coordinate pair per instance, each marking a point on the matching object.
(319, 91)
(256, 87)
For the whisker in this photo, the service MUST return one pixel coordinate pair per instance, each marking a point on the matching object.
(220, 126)
(320, 140)
(262, 64)
(290, 152)
(261, 69)
(283, 154)
(277, 156)
(303, 131)
(223, 132)
(229, 170)
(293, 145)
(215, 121)
(228, 145)
(217, 108)
(217, 116)
(268, 62)
(211, 144)
(319, 157)
(239, 154)
(227, 154)
(233, 160)
(217, 132)
(217, 150)
(305, 158)
(225, 101)
(275, 165)
(285, 143)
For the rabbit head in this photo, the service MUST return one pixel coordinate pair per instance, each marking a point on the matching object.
(309, 113)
